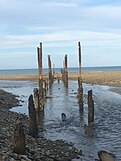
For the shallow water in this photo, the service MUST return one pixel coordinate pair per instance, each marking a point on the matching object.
(107, 124)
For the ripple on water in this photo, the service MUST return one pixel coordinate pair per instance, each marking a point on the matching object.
(107, 126)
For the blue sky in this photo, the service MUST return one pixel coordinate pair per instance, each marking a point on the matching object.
(59, 24)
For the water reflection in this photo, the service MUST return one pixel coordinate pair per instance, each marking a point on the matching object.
(107, 125)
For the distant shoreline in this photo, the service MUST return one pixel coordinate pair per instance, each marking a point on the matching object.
(102, 78)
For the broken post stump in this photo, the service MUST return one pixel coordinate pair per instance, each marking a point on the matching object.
(80, 95)
(36, 100)
(19, 145)
(58, 80)
(33, 127)
(90, 107)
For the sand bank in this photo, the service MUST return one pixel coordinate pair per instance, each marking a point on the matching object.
(102, 78)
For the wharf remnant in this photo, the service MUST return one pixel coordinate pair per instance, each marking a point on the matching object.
(50, 71)
(33, 126)
(41, 96)
(19, 145)
(80, 88)
(90, 107)
(65, 72)
(36, 100)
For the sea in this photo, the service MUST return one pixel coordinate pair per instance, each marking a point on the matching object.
(57, 70)
(107, 115)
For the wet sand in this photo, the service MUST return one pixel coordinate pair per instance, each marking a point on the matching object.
(101, 78)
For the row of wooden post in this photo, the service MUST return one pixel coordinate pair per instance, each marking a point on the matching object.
(80, 92)
(36, 105)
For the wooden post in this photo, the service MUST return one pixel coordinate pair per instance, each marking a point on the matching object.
(40, 61)
(41, 98)
(66, 72)
(39, 51)
(19, 145)
(80, 95)
(90, 107)
(50, 71)
(33, 127)
(80, 88)
(44, 88)
(80, 67)
(36, 100)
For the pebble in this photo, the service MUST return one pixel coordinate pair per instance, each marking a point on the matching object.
(39, 149)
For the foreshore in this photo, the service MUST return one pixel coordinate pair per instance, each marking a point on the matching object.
(50, 150)
(102, 78)
(39, 149)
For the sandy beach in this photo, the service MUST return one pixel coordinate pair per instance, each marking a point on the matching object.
(102, 78)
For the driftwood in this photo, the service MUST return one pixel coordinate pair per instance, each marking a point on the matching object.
(105, 156)
(19, 145)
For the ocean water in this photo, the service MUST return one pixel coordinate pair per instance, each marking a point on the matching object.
(107, 123)
(56, 70)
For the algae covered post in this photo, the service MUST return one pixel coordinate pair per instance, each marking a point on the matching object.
(33, 127)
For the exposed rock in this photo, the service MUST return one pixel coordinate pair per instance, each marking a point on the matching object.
(105, 156)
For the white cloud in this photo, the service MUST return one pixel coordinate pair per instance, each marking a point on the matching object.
(59, 24)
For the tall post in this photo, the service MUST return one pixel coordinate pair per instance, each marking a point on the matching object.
(33, 127)
(80, 88)
(39, 51)
(80, 65)
(50, 71)
(90, 107)
(41, 99)
(66, 72)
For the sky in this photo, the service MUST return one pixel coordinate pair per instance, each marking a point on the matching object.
(59, 25)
